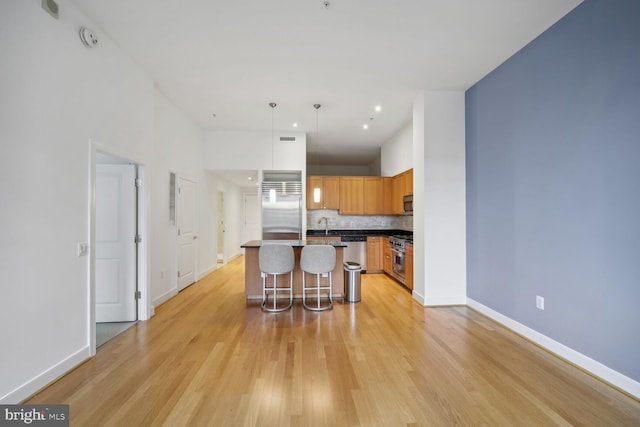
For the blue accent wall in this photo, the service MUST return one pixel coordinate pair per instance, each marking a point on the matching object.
(553, 184)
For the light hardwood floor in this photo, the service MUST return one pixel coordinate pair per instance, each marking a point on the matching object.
(206, 358)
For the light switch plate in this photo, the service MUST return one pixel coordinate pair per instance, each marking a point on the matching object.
(83, 249)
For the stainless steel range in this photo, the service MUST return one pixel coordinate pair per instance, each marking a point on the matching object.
(398, 253)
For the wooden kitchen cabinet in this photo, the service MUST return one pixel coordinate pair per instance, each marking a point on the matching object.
(329, 192)
(351, 195)
(374, 254)
(401, 185)
(408, 181)
(408, 265)
(387, 191)
(373, 195)
(387, 260)
(398, 193)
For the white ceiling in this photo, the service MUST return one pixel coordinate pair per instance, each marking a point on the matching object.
(231, 58)
(246, 179)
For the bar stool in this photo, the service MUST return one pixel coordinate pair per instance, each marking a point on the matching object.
(276, 259)
(318, 260)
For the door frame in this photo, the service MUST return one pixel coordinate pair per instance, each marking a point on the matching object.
(124, 308)
(143, 303)
(244, 231)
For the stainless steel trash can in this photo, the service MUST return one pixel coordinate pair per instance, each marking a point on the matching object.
(352, 273)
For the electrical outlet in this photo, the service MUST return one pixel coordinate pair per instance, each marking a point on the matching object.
(539, 302)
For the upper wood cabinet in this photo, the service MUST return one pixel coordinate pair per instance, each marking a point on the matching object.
(351, 195)
(387, 191)
(361, 195)
(329, 192)
(397, 192)
(401, 185)
(373, 195)
(408, 181)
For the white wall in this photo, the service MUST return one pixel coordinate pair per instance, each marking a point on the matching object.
(230, 150)
(439, 198)
(178, 148)
(397, 153)
(57, 96)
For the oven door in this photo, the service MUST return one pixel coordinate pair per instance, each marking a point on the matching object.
(398, 263)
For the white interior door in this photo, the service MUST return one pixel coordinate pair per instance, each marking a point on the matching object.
(252, 228)
(115, 258)
(186, 232)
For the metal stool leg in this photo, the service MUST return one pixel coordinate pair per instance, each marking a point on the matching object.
(318, 288)
(274, 289)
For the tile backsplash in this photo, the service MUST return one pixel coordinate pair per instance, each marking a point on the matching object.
(355, 222)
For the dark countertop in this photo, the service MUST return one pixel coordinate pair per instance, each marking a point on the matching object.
(294, 243)
(374, 232)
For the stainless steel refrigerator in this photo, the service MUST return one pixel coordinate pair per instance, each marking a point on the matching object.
(281, 210)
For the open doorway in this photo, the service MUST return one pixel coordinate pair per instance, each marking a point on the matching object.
(115, 248)
(221, 259)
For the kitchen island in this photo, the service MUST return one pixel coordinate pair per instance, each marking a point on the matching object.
(253, 280)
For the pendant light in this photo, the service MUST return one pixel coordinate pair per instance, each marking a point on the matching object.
(272, 191)
(316, 190)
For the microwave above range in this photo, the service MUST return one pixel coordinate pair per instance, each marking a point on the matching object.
(407, 203)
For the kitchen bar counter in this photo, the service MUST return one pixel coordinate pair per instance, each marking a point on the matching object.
(253, 280)
(313, 233)
(295, 243)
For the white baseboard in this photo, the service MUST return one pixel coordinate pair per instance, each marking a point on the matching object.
(164, 297)
(438, 301)
(47, 377)
(418, 297)
(207, 270)
(444, 301)
(594, 367)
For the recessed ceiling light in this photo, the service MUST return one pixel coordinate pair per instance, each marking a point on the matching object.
(249, 178)
(295, 125)
(365, 126)
(213, 115)
(378, 108)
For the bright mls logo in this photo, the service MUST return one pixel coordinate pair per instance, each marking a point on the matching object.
(34, 415)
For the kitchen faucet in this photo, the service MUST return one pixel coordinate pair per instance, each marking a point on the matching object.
(326, 224)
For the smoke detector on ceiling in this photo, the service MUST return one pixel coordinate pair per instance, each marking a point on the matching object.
(88, 37)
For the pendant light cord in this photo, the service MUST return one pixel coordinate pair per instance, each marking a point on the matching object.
(273, 107)
(317, 107)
